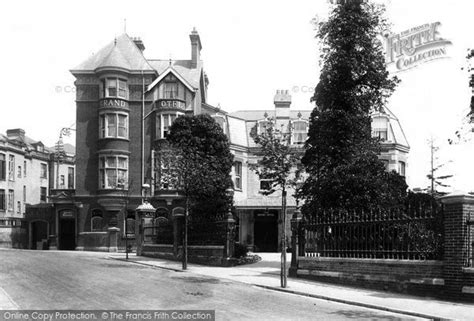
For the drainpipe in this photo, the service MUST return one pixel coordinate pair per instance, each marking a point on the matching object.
(143, 129)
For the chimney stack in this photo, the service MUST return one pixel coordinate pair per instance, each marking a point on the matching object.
(195, 48)
(139, 43)
(282, 103)
(16, 133)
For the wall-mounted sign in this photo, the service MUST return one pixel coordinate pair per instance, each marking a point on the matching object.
(414, 46)
(67, 214)
(169, 103)
(112, 102)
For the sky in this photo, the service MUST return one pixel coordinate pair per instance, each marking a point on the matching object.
(250, 49)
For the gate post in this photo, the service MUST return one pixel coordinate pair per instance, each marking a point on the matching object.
(296, 238)
(458, 270)
(113, 239)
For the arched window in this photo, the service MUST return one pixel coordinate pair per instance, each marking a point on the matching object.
(96, 220)
(178, 211)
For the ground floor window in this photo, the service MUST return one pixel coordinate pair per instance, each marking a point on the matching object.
(96, 221)
(43, 194)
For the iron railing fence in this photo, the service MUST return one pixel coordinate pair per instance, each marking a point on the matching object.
(201, 231)
(159, 231)
(404, 233)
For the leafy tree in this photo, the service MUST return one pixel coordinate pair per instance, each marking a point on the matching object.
(204, 162)
(277, 163)
(341, 155)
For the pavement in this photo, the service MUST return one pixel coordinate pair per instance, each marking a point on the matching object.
(266, 274)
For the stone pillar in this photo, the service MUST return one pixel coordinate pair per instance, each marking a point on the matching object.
(230, 237)
(53, 245)
(113, 239)
(458, 273)
(296, 233)
(139, 236)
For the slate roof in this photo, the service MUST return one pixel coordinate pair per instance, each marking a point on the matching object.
(182, 67)
(244, 121)
(30, 143)
(122, 52)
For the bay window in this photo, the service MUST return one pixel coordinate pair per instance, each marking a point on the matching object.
(113, 172)
(115, 87)
(113, 125)
(164, 122)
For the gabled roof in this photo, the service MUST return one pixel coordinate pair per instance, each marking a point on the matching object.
(121, 53)
(171, 70)
(182, 67)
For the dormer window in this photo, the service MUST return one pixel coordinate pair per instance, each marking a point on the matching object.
(300, 132)
(221, 121)
(380, 128)
(263, 126)
(115, 87)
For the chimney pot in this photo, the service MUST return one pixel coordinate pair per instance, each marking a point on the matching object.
(139, 43)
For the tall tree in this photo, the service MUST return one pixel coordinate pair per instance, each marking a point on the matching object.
(204, 161)
(341, 156)
(277, 163)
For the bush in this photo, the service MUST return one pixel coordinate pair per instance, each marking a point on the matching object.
(240, 250)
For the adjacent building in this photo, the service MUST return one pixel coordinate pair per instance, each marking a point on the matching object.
(28, 172)
(126, 104)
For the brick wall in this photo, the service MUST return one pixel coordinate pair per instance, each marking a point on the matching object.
(394, 275)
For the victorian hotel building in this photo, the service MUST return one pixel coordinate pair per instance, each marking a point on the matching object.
(126, 104)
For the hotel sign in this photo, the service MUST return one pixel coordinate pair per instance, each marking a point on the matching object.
(170, 103)
(414, 47)
(113, 102)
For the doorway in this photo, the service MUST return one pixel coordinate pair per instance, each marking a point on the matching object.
(67, 231)
(39, 235)
(266, 230)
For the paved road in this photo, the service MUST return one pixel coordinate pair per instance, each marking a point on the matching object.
(84, 280)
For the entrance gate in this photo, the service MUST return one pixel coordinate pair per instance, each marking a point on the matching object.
(266, 231)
